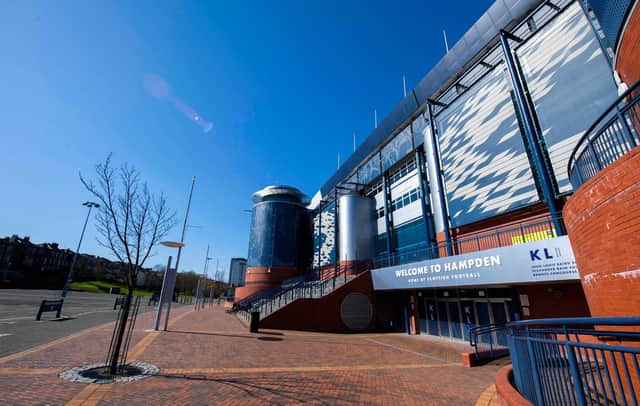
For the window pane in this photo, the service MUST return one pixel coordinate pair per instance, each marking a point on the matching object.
(396, 149)
(419, 125)
(370, 170)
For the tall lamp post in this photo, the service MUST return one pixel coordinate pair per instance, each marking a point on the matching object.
(90, 205)
(178, 245)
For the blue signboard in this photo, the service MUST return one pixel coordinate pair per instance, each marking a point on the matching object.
(538, 261)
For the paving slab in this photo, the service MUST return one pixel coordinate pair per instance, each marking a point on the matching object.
(209, 357)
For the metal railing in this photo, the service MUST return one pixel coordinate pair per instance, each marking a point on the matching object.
(579, 361)
(614, 133)
(488, 339)
(532, 229)
(311, 287)
(247, 302)
(308, 290)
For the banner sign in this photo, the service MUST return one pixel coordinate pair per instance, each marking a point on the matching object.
(538, 261)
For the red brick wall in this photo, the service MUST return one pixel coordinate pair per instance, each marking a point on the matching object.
(555, 300)
(322, 314)
(628, 59)
(603, 223)
(263, 278)
(353, 267)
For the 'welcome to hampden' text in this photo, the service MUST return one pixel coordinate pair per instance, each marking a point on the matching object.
(460, 265)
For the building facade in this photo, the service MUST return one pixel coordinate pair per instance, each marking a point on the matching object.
(454, 203)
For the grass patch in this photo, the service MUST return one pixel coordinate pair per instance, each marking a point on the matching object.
(103, 287)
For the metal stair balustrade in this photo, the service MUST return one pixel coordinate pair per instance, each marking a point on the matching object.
(576, 361)
(612, 135)
(310, 289)
(488, 340)
(307, 290)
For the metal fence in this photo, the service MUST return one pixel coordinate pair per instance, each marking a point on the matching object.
(532, 229)
(579, 361)
(314, 284)
(488, 340)
(614, 133)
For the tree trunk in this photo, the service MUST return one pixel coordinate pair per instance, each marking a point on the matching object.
(113, 362)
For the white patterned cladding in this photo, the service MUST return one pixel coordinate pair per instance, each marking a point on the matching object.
(324, 237)
(484, 162)
(570, 82)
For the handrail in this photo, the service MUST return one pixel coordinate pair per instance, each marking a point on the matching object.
(530, 229)
(588, 137)
(266, 299)
(600, 321)
(559, 361)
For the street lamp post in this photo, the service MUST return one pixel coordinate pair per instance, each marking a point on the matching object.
(179, 246)
(90, 205)
(201, 285)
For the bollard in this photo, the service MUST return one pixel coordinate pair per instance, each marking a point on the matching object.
(255, 322)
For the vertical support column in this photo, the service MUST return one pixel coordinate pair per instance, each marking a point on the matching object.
(425, 206)
(531, 134)
(386, 194)
(414, 322)
(319, 236)
(441, 213)
(335, 234)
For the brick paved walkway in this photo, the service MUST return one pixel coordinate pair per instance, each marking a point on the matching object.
(208, 357)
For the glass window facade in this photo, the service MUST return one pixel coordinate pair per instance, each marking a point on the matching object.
(396, 149)
(370, 170)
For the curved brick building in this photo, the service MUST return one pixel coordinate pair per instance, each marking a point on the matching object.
(603, 215)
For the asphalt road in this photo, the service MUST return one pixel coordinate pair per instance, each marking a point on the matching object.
(19, 329)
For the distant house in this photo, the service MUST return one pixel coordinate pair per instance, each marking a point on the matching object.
(25, 264)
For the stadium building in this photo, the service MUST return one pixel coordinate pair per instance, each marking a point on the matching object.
(449, 214)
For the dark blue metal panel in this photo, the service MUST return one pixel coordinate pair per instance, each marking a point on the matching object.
(611, 15)
(280, 236)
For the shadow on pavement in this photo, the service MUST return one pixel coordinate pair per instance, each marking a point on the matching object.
(253, 337)
(259, 336)
(265, 388)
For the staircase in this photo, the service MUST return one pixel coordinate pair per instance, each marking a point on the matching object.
(267, 302)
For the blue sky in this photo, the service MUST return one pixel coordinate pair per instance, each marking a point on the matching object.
(285, 84)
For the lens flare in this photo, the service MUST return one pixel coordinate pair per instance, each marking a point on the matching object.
(157, 87)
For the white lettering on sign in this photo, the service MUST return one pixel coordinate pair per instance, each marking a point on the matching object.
(461, 265)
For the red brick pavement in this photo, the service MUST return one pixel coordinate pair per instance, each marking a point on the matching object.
(208, 357)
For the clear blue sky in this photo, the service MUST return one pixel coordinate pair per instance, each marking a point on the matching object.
(284, 83)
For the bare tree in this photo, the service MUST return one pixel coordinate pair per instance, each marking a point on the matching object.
(131, 222)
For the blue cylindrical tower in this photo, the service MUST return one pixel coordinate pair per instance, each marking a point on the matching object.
(280, 241)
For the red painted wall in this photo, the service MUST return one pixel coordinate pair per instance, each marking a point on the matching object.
(263, 278)
(554, 300)
(322, 314)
